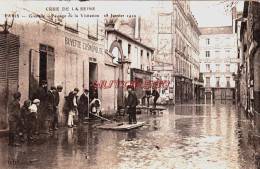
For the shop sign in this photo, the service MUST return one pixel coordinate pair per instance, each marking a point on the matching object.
(83, 45)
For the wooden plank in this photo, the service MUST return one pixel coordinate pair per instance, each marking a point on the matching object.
(126, 126)
(99, 117)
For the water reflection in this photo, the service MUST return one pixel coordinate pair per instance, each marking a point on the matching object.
(214, 135)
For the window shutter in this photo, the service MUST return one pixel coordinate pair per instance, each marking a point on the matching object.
(34, 72)
(9, 64)
(50, 69)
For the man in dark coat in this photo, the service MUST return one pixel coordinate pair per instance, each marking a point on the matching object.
(14, 119)
(56, 108)
(41, 94)
(50, 109)
(27, 120)
(156, 95)
(72, 105)
(83, 105)
(147, 97)
(131, 103)
(93, 91)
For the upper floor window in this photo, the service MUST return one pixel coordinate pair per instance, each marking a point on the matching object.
(142, 52)
(217, 54)
(217, 67)
(207, 53)
(227, 40)
(207, 66)
(129, 49)
(217, 81)
(227, 54)
(207, 41)
(228, 81)
(227, 68)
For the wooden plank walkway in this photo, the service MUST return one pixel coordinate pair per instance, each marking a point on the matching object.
(126, 126)
(152, 109)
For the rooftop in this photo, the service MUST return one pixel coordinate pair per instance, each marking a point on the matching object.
(216, 30)
(117, 32)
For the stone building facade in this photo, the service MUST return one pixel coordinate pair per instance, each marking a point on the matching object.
(218, 54)
(248, 28)
(62, 51)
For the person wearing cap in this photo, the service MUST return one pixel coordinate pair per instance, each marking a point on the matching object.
(83, 105)
(50, 103)
(93, 91)
(95, 108)
(56, 110)
(34, 118)
(41, 94)
(156, 95)
(14, 118)
(26, 117)
(131, 103)
(72, 105)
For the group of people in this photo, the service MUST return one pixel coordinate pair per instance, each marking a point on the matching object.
(148, 95)
(41, 113)
(38, 115)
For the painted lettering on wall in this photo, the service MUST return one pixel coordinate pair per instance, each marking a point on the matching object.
(82, 45)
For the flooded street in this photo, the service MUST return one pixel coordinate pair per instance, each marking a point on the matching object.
(184, 136)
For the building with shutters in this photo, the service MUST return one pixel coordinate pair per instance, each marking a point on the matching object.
(62, 51)
(218, 53)
(247, 27)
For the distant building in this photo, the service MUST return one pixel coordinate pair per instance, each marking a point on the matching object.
(218, 49)
(172, 31)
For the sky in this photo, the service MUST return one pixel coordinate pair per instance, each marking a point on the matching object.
(212, 13)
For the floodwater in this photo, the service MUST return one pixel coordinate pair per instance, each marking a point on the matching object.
(203, 136)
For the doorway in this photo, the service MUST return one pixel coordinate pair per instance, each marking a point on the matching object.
(93, 77)
(43, 67)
